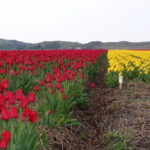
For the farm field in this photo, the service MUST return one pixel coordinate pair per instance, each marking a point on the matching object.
(57, 99)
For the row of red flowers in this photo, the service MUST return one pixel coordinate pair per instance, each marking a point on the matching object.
(54, 77)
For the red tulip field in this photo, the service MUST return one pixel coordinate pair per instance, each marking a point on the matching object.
(41, 87)
(70, 100)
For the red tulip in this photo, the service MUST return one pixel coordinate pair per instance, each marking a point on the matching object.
(58, 74)
(64, 96)
(36, 88)
(3, 144)
(6, 96)
(60, 79)
(13, 112)
(11, 99)
(19, 94)
(1, 64)
(61, 89)
(31, 97)
(4, 114)
(82, 86)
(68, 76)
(2, 71)
(42, 82)
(93, 85)
(6, 136)
(49, 85)
(50, 112)
(69, 64)
(1, 88)
(18, 72)
(2, 102)
(57, 86)
(26, 112)
(73, 73)
(42, 67)
(8, 106)
(23, 69)
(12, 72)
(23, 102)
(82, 76)
(47, 78)
(51, 91)
(53, 77)
(32, 116)
(4, 83)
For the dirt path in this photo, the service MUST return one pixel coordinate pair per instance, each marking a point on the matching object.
(113, 114)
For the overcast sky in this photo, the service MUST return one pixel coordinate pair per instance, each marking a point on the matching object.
(75, 20)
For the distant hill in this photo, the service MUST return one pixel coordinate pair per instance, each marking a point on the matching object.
(17, 45)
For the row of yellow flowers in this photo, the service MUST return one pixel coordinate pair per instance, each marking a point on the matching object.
(127, 60)
(130, 63)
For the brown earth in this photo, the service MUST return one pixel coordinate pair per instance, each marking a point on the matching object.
(119, 116)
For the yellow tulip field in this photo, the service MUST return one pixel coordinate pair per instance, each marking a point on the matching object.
(132, 64)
